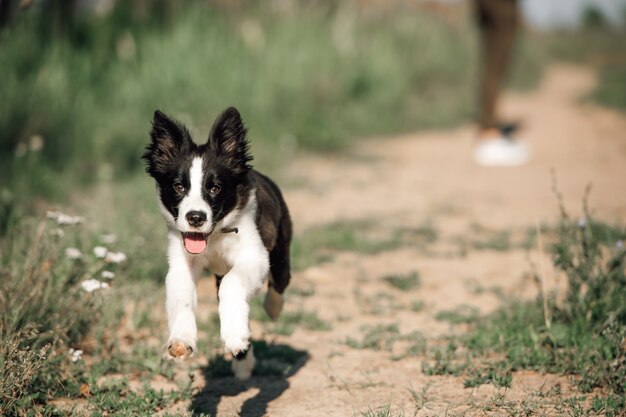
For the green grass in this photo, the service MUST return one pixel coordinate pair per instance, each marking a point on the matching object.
(384, 411)
(301, 290)
(583, 339)
(600, 48)
(378, 304)
(379, 337)
(403, 282)
(488, 375)
(88, 93)
(117, 398)
(289, 321)
(419, 401)
(499, 241)
(612, 90)
(459, 315)
(414, 344)
(417, 306)
(445, 361)
(320, 244)
(43, 312)
(481, 238)
(384, 337)
(76, 104)
(582, 336)
(609, 406)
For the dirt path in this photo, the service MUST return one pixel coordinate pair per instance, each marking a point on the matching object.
(407, 182)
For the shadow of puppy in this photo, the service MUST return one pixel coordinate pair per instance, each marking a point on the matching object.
(275, 365)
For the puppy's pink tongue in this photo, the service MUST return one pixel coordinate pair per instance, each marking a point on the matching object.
(194, 243)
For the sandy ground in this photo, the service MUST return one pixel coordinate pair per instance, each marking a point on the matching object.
(409, 181)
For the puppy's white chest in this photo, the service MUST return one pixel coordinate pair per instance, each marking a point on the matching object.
(217, 256)
(218, 265)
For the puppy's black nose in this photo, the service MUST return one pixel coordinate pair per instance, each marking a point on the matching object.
(196, 218)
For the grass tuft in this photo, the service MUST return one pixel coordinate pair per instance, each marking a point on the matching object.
(379, 337)
(461, 314)
(43, 312)
(445, 361)
(384, 411)
(115, 397)
(19, 367)
(583, 336)
(489, 375)
(403, 282)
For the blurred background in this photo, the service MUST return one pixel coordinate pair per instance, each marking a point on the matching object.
(81, 78)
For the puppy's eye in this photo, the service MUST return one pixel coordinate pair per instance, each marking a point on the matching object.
(215, 190)
(179, 188)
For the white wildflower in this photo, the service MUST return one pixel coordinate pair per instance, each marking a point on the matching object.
(252, 34)
(36, 143)
(115, 257)
(108, 274)
(582, 222)
(108, 238)
(100, 251)
(125, 47)
(91, 285)
(73, 253)
(76, 354)
(43, 351)
(63, 219)
(58, 232)
(619, 244)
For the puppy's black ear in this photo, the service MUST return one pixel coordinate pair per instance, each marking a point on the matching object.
(228, 141)
(168, 140)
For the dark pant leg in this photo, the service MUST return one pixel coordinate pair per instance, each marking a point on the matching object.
(498, 22)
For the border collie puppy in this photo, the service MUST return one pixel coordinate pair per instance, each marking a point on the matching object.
(223, 216)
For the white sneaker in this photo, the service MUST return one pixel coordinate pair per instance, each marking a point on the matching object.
(501, 151)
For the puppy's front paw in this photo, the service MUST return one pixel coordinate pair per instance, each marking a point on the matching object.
(179, 349)
(236, 340)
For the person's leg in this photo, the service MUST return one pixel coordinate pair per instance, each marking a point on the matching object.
(498, 22)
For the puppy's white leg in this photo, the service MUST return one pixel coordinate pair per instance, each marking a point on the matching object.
(273, 303)
(181, 305)
(250, 266)
(181, 302)
(234, 311)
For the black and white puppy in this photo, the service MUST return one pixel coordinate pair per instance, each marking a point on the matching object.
(223, 216)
